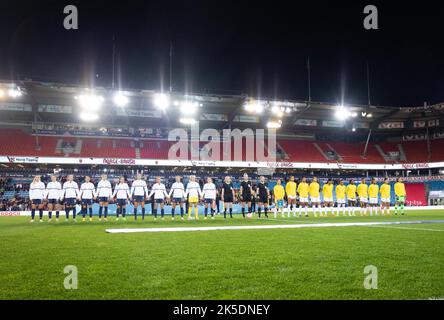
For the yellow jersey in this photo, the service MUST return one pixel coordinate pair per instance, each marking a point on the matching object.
(373, 190)
(327, 191)
(303, 189)
(385, 191)
(314, 190)
(400, 189)
(363, 190)
(290, 188)
(351, 191)
(278, 192)
(340, 191)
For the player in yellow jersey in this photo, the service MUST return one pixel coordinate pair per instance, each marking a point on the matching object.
(315, 197)
(290, 190)
(373, 192)
(327, 193)
(385, 197)
(303, 196)
(363, 196)
(400, 194)
(351, 197)
(278, 195)
(340, 197)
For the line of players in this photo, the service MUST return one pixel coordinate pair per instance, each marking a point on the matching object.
(298, 197)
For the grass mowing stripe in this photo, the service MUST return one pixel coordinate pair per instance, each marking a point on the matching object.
(408, 228)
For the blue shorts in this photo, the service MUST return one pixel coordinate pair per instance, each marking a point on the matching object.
(121, 202)
(139, 199)
(103, 199)
(70, 201)
(210, 201)
(87, 201)
(177, 200)
(53, 201)
(37, 201)
(158, 200)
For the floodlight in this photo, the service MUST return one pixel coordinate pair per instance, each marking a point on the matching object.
(188, 121)
(161, 101)
(14, 93)
(120, 99)
(188, 107)
(342, 113)
(90, 101)
(274, 125)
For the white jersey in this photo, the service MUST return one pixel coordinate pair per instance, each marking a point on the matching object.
(104, 189)
(177, 190)
(138, 188)
(193, 189)
(87, 190)
(122, 191)
(159, 191)
(54, 190)
(37, 191)
(70, 190)
(209, 191)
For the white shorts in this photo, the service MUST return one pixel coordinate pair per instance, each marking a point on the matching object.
(385, 200)
(373, 200)
(291, 197)
(328, 199)
(315, 200)
(303, 200)
(352, 200)
(340, 201)
(363, 200)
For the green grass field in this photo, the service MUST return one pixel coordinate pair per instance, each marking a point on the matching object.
(310, 263)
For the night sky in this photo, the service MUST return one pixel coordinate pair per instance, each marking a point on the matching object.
(233, 47)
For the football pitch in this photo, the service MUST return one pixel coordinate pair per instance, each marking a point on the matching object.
(288, 263)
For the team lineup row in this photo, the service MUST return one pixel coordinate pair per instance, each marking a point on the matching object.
(299, 196)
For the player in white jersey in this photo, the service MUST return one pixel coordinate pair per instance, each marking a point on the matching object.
(177, 194)
(53, 194)
(193, 193)
(139, 193)
(209, 194)
(70, 193)
(103, 193)
(36, 195)
(159, 192)
(121, 194)
(86, 197)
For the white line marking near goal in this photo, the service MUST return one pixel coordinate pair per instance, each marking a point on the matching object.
(281, 226)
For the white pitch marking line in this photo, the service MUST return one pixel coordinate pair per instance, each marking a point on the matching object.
(256, 227)
(407, 228)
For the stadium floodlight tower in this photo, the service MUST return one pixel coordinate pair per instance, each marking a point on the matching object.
(161, 101)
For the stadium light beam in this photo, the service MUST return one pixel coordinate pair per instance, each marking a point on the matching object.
(88, 117)
(14, 93)
(161, 101)
(120, 99)
(188, 107)
(90, 102)
(342, 113)
(187, 121)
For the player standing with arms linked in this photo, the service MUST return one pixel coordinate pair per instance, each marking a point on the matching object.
(70, 193)
(209, 193)
(290, 190)
(340, 197)
(36, 195)
(53, 194)
(263, 195)
(139, 193)
(400, 194)
(121, 194)
(279, 195)
(177, 193)
(160, 195)
(246, 194)
(327, 192)
(104, 192)
(373, 192)
(351, 197)
(86, 197)
(363, 196)
(193, 193)
(315, 197)
(385, 191)
(303, 196)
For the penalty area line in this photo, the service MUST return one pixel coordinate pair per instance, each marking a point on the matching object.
(259, 227)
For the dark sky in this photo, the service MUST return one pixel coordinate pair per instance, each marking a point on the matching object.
(234, 47)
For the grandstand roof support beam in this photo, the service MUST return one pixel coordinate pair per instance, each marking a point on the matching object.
(366, 143)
